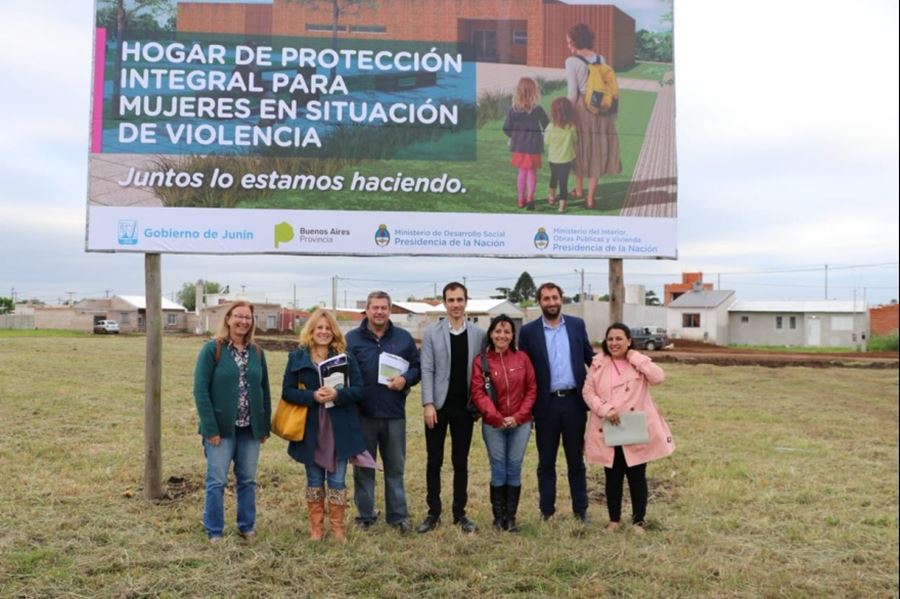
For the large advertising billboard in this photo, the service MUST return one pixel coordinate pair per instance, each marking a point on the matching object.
(517, 128)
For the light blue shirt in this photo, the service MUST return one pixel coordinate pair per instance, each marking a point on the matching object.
(558, 355)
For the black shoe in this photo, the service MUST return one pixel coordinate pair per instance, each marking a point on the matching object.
(429, 523)
(582, 516)
(545, 516)
(465, 524)
(364, 525)
(403, 527)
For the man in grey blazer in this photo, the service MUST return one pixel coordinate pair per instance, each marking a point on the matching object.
(448, 349)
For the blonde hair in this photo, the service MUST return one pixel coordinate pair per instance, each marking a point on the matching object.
(223, 333)
(338, 344)
(527, 94)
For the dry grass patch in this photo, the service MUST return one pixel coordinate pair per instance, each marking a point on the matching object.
(784, 484)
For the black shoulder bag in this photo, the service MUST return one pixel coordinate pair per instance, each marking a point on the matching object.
(488, 387)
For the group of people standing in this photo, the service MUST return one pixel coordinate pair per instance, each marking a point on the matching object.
(575, 137)
(550, 381)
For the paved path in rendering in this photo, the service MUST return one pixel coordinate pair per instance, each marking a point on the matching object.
(653, 188)
(106, 172)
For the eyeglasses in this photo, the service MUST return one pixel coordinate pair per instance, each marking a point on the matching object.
(241, 317)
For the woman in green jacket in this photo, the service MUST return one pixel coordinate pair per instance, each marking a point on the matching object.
(231, 389)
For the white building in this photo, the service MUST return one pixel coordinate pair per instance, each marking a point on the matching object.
(700, 315)
(823, 323)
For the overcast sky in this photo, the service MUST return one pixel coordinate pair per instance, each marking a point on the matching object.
(787, 148)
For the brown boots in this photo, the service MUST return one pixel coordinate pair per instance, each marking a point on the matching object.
(337, 503)
(315, 505)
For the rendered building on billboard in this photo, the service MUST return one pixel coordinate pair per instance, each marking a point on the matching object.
(512, 32)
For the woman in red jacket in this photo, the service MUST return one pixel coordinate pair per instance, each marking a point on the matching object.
(618, 383)
(504, 395)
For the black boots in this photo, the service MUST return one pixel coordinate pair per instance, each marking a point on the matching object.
(504, 505)
(498, 507)
(512, 506)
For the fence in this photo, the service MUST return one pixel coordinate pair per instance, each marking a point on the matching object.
(16, 321)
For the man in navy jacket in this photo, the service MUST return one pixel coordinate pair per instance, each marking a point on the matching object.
(560, 351)
(383, 411)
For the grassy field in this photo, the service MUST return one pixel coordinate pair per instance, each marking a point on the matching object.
(784, 484)
(490, 182)
(8, 333)
(793, 349)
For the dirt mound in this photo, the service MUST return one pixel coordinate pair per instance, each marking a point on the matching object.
(694, 352)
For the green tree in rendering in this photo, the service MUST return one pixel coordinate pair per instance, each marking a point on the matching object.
(133, 15)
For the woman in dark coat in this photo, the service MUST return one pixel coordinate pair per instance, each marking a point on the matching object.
(333, 435)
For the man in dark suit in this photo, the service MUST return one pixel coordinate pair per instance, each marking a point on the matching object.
(560, 350)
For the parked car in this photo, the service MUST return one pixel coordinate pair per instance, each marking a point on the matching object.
(106, 327)
(649, 338)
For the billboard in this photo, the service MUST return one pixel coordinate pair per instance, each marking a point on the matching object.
(383, 127)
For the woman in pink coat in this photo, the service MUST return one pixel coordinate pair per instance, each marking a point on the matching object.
(618, 382)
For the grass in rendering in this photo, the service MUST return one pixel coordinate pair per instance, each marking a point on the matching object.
(490, 181)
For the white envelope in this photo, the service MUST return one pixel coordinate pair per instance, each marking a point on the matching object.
(631, 430)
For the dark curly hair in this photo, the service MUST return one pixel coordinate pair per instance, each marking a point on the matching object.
(581, 36)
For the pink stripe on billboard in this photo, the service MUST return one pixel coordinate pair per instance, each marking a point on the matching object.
(99, 76)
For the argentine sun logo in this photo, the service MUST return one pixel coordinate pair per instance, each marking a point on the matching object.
(382, 236)
(541, 239)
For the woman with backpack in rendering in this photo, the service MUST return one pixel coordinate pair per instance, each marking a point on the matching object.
(597, 151)
(524, 126)
(231, 390)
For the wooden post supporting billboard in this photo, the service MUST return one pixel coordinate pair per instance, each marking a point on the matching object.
(153, 378)
(616, 290)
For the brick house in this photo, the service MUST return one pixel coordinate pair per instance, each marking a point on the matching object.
(884, 320)
(690, 281)
(531, 32)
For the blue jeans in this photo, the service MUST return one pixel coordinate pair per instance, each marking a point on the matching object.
(316, 475)
(243, 450)
(506, 450)
(389, 436)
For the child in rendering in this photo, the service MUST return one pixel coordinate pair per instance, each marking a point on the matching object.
(561, 137)
(524, 126)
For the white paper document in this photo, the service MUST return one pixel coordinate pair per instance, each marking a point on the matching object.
(631, 430)
(334, 373)
(389, 366)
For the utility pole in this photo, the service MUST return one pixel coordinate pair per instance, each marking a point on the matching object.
(334, 281)
(826, 281)
(12, 294)
(581, 293)
(70, 294)
(294, 301)
(616, 290)
(866, 323)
